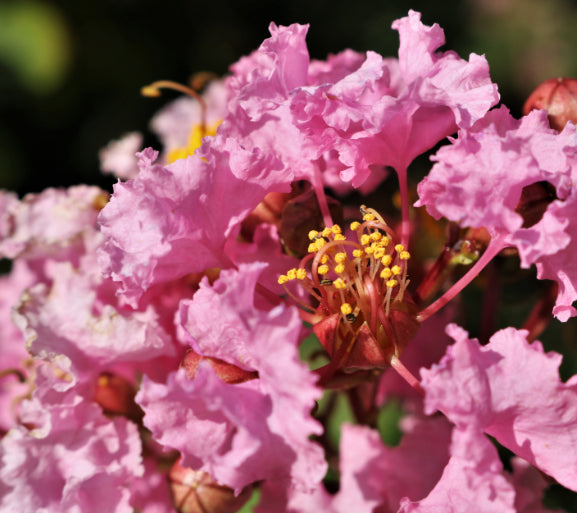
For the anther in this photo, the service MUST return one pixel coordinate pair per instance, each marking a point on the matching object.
(396, 270)
(339, 269)
(392, 283)
(387, 260)
(386, 273)
(313, 234)
(340, 258)
(323, 269)
(404, 255)
(301, 273)
(346, 309)
(399, 248)
(355, 225)
(340, 284)
(358, 253)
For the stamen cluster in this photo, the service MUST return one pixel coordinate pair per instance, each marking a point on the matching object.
(360, 280)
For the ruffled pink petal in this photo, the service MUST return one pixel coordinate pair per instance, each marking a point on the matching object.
(50, 224)
(119, 157)
(66, 469)
(241, 432)
(511, 389)
(473, 480)
(172, 221)
(375, 477)
(69, 318)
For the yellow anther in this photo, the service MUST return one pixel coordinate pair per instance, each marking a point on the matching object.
(301, 273)
(336, 229)
(312, 247)
(340, 284)
(339, 269)
(387, 260)
(292, 274)
(396, 270)
(340, 236)
(320, 243)
(385, 241)
(323, 269)
(358, 253)
(370, 250)
(379, 252)
(313, 234)
(369, 217)
(392, 283)
(346, 309)
(324, 259)
(355, 225)
(365, 239)
(386, 273)
(327, 231)
(404, 255)
(375, 236)
(340, 258)
(282, 279)
(399, 248)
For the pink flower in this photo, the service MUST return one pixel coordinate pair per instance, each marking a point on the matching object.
(478, 181)
(238, 432)
(175, 220)
(511, 390)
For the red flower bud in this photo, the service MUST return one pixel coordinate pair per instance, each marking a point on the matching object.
(116, 397)
(558, 96)
(196, 492)
(228, 372)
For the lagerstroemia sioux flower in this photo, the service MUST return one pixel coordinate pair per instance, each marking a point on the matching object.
(194, 339)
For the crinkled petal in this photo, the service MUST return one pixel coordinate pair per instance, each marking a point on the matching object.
(473, 480)
(172, 221)
(67, 469)
(511, 389)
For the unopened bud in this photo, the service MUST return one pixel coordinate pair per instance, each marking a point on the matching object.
(228, 372)
(558, 96)
(196, 492)
(116, 396)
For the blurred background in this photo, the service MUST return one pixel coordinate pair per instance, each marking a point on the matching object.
(70, 72)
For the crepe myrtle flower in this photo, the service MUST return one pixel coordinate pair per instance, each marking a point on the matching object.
(188, 340)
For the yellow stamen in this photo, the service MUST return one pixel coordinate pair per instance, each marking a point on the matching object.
(386, 273)
(340, 258)
(346, 309)
(340, 284)
(323, 269)
(339, 269)
(387, 260)
(301, 273)
(355, 225)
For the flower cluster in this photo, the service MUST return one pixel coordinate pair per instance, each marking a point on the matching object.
(184, 343)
